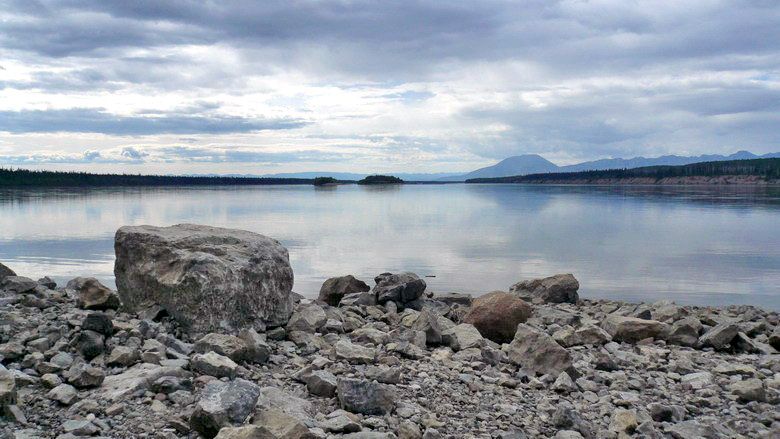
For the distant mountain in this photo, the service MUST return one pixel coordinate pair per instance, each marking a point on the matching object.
(668, 160)
(535, 164)
(517, 165)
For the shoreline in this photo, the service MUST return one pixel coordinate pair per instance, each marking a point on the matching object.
(435, 366)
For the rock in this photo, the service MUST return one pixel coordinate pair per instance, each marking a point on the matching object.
(697, 380)
(7, 391)
(497, 314)
(47, 282)
(428, 323)
(80, 427)
(632, 329)
(98, 322)
(365, 397)
(65, 394)
(561, 288)
(537, 353)
(279, 399)
(214, 364)
(685, 332)
(137, 379)
(92, 294)
(564, 384)
(694, 429)
(369, 335)
(83, 376)
(321, 383)
(451, 299)
(585, 335)
(774, 338)
(720, 336)
(307, 318)
(258, 350)
(124, 356)
(244, 432)
(206, 278)
(749, 390)
(409, 430)
(5, 272)
(90, 344)
(17, 284)
(280, 425)
(228, 345)
(51, 380)
(223, 404)
(462, 336)
(623, 421)
(357, 299)
(400, 288)
(335, 288)
(665, 413)
(340, 424)
(354, 353)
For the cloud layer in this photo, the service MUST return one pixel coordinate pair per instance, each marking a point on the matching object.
(420, 85)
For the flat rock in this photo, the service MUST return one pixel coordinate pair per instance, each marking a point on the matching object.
(632, 329)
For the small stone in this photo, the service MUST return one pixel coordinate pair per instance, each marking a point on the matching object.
(321, 383)
(214, 364)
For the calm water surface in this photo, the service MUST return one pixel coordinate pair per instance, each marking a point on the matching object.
(692, 245)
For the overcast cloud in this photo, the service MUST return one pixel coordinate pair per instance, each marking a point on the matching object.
(273, 86)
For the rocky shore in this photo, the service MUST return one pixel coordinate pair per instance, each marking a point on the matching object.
(204, 338)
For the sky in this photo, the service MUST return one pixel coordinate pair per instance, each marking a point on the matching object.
(198, 86)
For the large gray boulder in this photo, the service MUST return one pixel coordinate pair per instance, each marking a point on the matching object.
(400, 288)
(17, 284)
(365, 397)
(335, 288)
(554, 289)
(538, 353)
(207, 278)
(497, 314)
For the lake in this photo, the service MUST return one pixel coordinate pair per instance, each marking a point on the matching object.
(693, 245)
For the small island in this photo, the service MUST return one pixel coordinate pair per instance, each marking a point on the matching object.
(380, 179)
(325, 181)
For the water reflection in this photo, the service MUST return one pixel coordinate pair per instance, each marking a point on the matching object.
(690, 244)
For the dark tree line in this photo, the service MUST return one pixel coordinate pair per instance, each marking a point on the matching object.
(30, 178)
(768, 169)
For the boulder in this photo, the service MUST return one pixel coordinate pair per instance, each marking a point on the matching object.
(224, 344)
(335, 288)
(307, 318)
(632, 329)
(137, 378)
(98, 322)
(585, 335)
(258, 351)
(365, 298)
(280, 425)
(17, 284)
(124, 356)
(685, 332)
(321, 383)
(354, 353)
(206, 278)
(561, 288)
(463, 336)
(428, 323)
(400, 288)
(279, 399)
(5, 272)
(537, 353)
(92, 294)
(64, 394)
(214, 364)
(223, 404)
(720, 336)
(7, 390)
(83, 376)
(365, 397)
(749, 390)
(90, 344)
(497, 314)
(774, 338)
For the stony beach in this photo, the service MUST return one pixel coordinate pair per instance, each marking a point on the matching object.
(205, 338)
